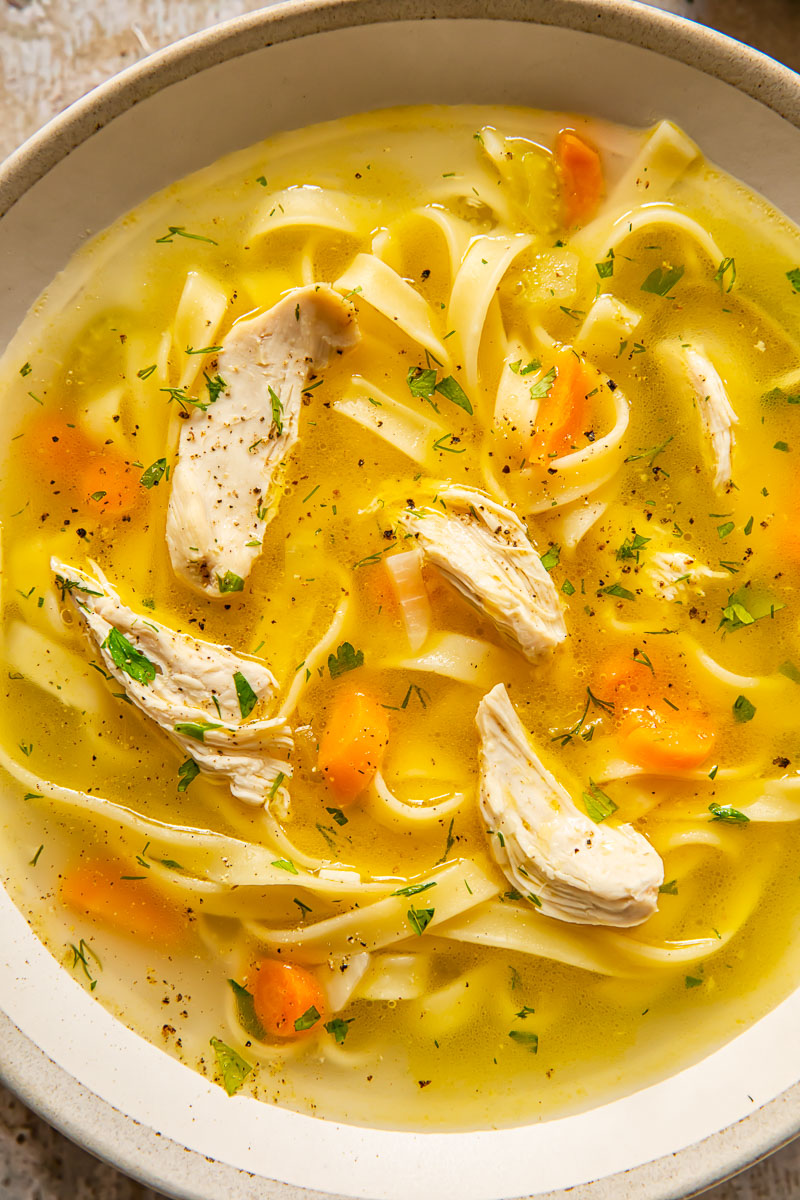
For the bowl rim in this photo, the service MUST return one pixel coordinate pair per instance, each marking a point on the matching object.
(47, 1088)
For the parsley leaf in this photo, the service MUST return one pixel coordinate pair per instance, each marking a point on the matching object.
(605, 269)
(743, 710)
(230, 582)
(245, 1011)
(345, 659)
(337, 1028)
(794, 279)
(285, 864)
(187, 771)
(598, 804)
(232, 1067)
(662, 280)
(244, 694)
(420, 918)
(128, 658)
(669, 889)
(541, 388)
(616, 589)
(195, 729)
(631, 546)
(420, 382)
(215, 385)
(307, 1019)
(529, 1040)
(452, 390)
(551, 558)
(153, 475)
(728, 814)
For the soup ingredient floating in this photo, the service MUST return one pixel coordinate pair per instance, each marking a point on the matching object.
(483, 549)
(199, 693)
(568, 866)
(233, 451)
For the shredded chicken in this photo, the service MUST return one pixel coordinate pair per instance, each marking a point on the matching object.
(197, 692)
(232, 455)
(673, 572)
(556, 857)
(716, 413)
(483, 549)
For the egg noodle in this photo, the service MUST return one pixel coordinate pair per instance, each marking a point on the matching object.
(661, 502)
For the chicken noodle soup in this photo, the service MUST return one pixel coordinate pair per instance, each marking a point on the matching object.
(399, 641)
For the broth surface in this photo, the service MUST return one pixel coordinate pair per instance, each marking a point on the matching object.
(93, 383)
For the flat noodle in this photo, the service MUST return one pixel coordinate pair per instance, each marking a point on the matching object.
(368, 280)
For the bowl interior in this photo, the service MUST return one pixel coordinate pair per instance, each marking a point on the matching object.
(155, 125)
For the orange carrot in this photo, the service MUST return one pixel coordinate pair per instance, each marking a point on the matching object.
(285, 995)
(651, 733)
(353, 744)
(55, 447)
(132, 906)
(109, 485)
(562, 412)
(662, 740)
(581, 174)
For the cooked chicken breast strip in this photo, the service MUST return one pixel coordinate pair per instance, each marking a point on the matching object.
(231, 460)
(178, 681)
(483, 549)
(553, 854)
(716, 413)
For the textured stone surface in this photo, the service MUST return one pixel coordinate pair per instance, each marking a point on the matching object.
(52, 52)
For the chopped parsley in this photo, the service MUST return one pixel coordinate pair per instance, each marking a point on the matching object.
(669, 889)
(230, 582)
(743, 710)
(181, 231)
(794, 279)
(307, 1020)
(215, 385)
(285, 864)
(550, 558)
(420, 918)
(338, 1027)
(414, 889)
(195, 729)
(529, 1040)
(277, 411)
(154, 473)
(692, 981)
(345, 659)
(662, 280)
(232, 1067)
(128, 658)
(337, 815)
(187, 772)
(605, 269)
(598, 804)
(616, 589)
(245, 1010)
(726, 267)
(728, 814)
(452, 390)
(631, 546)
(541, 388)
(244, 694)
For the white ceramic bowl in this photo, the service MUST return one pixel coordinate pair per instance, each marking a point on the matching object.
(177, 111)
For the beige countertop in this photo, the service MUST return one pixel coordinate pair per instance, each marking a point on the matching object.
(52, 52)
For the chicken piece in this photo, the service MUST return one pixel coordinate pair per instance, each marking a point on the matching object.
(672, 573)
(483, 549)
(231, 460)
(197, 692)
(716, 413)
(553, 854)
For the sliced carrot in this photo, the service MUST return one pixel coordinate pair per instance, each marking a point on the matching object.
(109, 485)
(562, 412)
(285, 995)
(54, 447)
(651, 733)
(131, 906)
(353, 744)
(666, 741)
(580, 171)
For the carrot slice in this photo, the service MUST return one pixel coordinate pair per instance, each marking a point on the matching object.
(353, 744)
(562, 412)
(286, 995)
(652, 734)
(580, 171)
(131, 906)
(108, 484)
(661, 741)
(54, 447)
